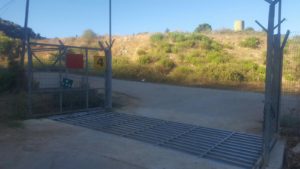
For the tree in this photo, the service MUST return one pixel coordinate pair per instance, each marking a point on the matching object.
(167, 30)
(89, 35)
(250, 29)
(203, 28)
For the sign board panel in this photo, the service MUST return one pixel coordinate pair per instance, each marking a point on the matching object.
(74, 61)
(99, 62)
(67, 83)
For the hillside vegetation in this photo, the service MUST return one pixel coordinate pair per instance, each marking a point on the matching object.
(214, 59)
(14, 30)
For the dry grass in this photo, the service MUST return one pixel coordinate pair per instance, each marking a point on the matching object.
(128, 47)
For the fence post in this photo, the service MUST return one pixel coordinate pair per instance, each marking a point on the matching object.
(87, 77)
(108, 79)
(60, 80)
(29, 78)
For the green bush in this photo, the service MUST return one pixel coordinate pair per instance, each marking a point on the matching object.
(181, 75)
(167, 63)
(251, 42)
(141, 52)
(217, 57)
(140, 72)
(6, 45)
(157, 37)
(166, 48)
(177, 36)
(7, 80)
(147, 59)
(203, 28)
(89, 34)
(121, 60)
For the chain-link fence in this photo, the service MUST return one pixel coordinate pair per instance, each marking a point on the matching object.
(290, 106)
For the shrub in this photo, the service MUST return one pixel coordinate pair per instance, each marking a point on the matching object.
(217, 57)
(203, 28)
(251, 42)
(157, 37)
(181, 75)
(147, 59)
(237, 76)
(141, 52)
(121, 60)
(178, 36)
(89, 34)
(249, 29)
(7, 45)
(7, 80)
(166, 47)
(167, 63)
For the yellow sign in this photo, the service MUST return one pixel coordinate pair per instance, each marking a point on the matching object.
(99, 62)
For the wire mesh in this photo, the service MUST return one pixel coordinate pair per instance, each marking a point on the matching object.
(290, 105)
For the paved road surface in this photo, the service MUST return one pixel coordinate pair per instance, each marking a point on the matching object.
(222, 109)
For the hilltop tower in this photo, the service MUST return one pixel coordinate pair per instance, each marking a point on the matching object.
(239, 25)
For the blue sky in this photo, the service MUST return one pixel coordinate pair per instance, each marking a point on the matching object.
(64, 18)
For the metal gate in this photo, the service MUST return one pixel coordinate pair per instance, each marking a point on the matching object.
(59, 78)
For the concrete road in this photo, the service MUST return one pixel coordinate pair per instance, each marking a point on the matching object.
(221, 109)
(45, 144)
(51, 145)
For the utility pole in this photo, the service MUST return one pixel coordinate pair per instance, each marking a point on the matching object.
(25, 35)
(26, 41)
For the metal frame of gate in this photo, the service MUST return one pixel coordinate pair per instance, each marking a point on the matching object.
(105, 47)
(45, 77)
(273, 84)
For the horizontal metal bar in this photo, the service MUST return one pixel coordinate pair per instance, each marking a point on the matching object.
(65, 46)
(56, 90)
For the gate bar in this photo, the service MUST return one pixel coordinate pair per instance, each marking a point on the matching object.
(67, 46)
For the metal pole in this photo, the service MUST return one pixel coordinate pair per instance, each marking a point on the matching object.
(108, 71)
(26, 41)
(25, 38)
(60, 81)
(280, 68)
(268, 87)
(110, 24)
(87, 77)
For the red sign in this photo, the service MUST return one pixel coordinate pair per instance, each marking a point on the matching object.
(74, 61)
